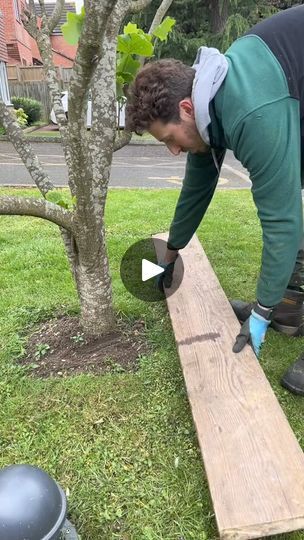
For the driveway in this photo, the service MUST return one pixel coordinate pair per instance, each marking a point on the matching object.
(140, 166)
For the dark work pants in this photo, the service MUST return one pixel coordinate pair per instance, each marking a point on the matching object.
(297, 277)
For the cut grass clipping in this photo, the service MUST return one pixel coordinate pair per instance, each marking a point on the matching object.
(123, 444)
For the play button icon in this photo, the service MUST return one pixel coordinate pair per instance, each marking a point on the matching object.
(140, 268)
(150, 270)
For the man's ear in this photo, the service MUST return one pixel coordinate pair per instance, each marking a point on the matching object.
(186, 108)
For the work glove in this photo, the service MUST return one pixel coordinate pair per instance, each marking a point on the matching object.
(254, 329)
(165, 279)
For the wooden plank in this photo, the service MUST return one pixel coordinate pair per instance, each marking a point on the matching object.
(253, 461)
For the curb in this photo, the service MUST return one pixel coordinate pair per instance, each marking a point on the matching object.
(30, 129)
(58, 140)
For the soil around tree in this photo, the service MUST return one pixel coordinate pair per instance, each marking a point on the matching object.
(58, 348)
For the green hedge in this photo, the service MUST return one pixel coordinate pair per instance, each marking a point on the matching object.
(31, 107)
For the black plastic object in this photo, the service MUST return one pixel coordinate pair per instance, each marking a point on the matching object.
(32, 505)
(68, 532)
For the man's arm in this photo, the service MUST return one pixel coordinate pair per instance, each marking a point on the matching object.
(200, 181)
(267, 142)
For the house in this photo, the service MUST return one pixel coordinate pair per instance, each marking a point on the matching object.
(22, 49)
(4, 92)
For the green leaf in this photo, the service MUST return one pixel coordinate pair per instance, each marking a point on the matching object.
(127, 64)
(57, 198)
(63, 203)
(73, 27)
(127, 77)
(122, 43)
(135, 44)
(130, 28)
(163, 29)
(142, 33)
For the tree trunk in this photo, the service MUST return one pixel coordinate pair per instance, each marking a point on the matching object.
(218, 15)
(88, 156)
(92, 159)
(94, 288)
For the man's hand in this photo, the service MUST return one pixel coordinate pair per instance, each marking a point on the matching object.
(170, 256)
(254, 329)
(165, 279)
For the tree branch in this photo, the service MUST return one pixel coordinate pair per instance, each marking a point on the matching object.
(45, 49)
(104, 106)
(90, 50)
(25, 150)
(29, 20)
(88, 54)
(28, 206)
(158, 17)
(44, 45)
(122, 140)
(55, 17)
(160, 13)
(42, 6)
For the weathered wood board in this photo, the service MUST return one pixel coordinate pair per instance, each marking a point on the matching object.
(253, 461)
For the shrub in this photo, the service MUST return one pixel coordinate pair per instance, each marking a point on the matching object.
(31, 107)
(21, 117)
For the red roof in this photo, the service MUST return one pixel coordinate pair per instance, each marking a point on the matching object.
(68, 6)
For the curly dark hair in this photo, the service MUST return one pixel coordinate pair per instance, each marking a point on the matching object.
(156, 92)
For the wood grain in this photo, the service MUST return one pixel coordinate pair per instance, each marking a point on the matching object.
(253, 461)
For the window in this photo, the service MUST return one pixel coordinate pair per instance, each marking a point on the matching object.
(17, 11)
(4, 92)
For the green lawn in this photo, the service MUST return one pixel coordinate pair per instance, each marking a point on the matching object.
(123, 445)
(42, 133)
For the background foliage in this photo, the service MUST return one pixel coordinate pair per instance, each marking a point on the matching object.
(31, 107)
(215, 23)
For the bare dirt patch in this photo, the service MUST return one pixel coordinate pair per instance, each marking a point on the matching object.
(59, 348)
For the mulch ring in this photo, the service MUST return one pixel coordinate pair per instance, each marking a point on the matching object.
(59, 348)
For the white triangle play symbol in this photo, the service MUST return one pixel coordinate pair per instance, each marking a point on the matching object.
(149, 270)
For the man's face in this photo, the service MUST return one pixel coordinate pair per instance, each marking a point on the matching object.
(182, 136)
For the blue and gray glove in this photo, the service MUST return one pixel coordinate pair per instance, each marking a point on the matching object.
(254, 329)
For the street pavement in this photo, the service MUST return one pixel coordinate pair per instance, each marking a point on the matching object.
(134, 166)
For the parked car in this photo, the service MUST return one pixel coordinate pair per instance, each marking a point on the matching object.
(64, 99)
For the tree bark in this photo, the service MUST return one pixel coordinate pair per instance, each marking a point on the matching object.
(55, 16)
(218, 12)
(29, 206)
(122, 140)
(94, 284)
(92, 271)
